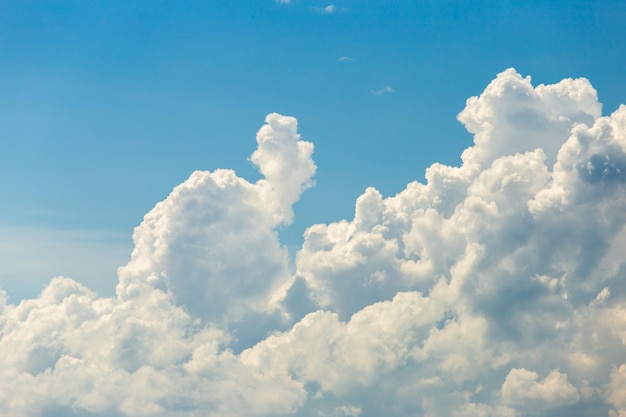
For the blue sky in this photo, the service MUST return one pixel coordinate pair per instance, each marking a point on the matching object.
(136, 97)
(105, 106)
(425, 217)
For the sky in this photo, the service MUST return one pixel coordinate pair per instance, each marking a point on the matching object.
(356, 208)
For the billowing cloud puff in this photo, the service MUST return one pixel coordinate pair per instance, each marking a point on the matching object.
(521, 387)
(496, 288)
(211, 243)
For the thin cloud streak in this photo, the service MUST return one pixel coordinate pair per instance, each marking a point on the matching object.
(383, 91)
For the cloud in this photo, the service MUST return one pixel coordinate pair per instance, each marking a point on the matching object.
(382, 91)
(283, 1)
(330, 9)
(616, 391)
(345, 59)
(521, 387)
(212, 242)
(494, 288)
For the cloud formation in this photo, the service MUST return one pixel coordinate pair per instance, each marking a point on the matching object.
(495, 288)
(382, 91)
(211, 243)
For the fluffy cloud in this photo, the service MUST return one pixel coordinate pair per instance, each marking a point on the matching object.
(616, 391)
(211, 243)
(521, 387)
(495, 288)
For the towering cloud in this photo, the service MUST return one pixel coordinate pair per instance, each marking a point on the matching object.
(211, 243)
(496, 288)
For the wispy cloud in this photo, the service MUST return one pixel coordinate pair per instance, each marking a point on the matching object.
(386, 90)
(283, 1)
(345, 59)
(330, 9)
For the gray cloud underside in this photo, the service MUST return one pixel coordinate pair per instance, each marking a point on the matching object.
(497, 288)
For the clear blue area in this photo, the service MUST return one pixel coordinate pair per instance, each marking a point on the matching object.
(107, 105)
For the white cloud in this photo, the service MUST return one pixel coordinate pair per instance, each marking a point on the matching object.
(512, 116)
(616, 391)
(494, 288)
(345, 59)
(521, 388)
(212, 243)
(330, 9)
(283, 1)
(382, 91)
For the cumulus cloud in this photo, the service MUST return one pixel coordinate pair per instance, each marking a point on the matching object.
(212, 242)
(494, 288)
(521, 388)
(616, 391)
